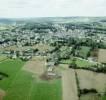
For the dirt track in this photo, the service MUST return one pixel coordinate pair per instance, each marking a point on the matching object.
(69, 85)
(2, 94)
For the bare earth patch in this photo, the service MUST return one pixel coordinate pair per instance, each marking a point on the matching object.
(2, 94)
(36, 66)
(89, 80)
(102, 56)
(69, 85)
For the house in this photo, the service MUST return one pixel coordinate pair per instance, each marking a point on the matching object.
(50, 71)
(50, 64)
(14, 56)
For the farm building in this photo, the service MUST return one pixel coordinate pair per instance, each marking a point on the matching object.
(50, 71)
(102, 56)
(49, 64)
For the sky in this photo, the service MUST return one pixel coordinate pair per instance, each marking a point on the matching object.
(51, 8)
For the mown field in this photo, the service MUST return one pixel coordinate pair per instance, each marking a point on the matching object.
(22, 85)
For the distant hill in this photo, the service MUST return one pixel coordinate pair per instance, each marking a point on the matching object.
(10, 21)
(6, 21)
(52, 19)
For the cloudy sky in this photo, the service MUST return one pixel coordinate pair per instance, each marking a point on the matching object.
(51, 8)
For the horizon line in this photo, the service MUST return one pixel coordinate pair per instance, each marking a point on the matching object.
(51, 17)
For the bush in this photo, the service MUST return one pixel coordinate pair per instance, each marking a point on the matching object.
(85, 91)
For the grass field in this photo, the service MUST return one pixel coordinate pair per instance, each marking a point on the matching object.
(83, 63)
(79, 62)
(83, 52)
(21, 85)
(104, 98)
(2, 57)
(47, 90)
(11, 68)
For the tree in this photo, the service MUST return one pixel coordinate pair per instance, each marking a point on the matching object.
(73, 64)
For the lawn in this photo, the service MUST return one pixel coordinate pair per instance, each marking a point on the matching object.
(20, 85)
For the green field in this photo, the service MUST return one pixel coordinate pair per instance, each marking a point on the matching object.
(83, 51)
(104, 98)
(20, 85)
(2, 57)
(83, 63)
(11, 68)
(79, 62)
(47, 90)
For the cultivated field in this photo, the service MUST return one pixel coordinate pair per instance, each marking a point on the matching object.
(102, 56)
(2, 94)
(92, 80)
(36, 65)
(69, 85)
